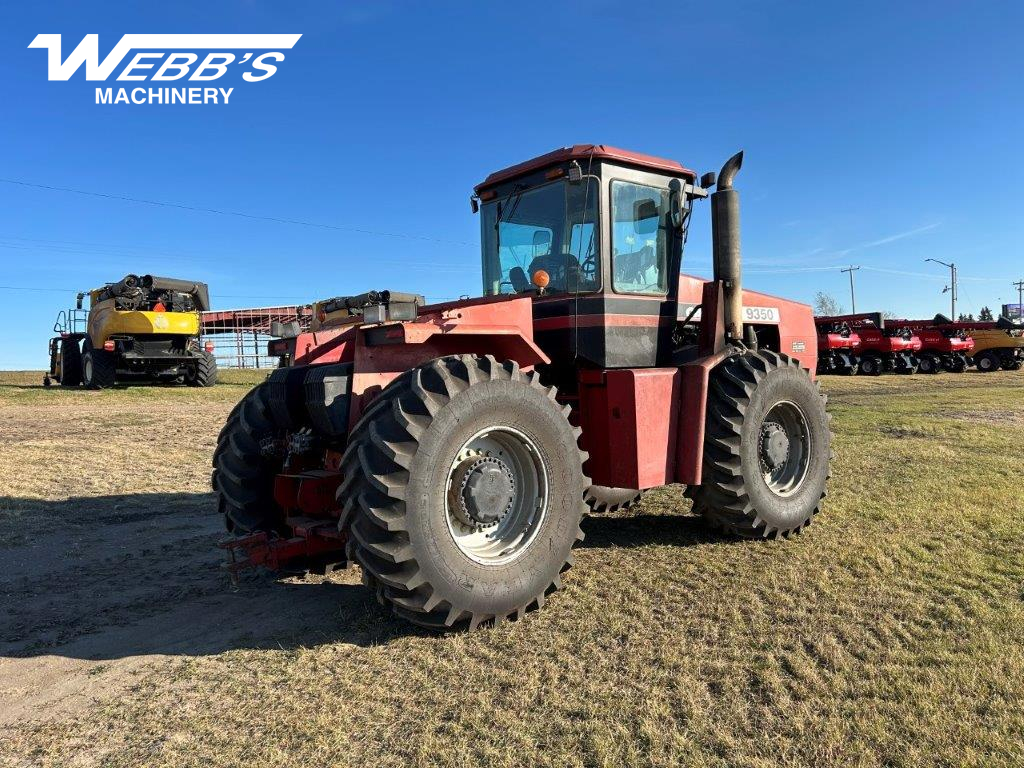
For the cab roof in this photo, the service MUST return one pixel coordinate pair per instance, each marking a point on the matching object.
(584, 152)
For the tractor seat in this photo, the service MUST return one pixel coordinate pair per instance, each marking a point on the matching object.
(520, 282)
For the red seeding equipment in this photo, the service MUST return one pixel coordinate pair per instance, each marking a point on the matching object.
(994, 345)
(451, 450)
(838, 347)
(885, 346)
(943, 348)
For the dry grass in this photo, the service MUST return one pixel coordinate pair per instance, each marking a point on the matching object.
(888, 634)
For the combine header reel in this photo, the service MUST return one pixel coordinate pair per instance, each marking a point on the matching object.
(451, 450)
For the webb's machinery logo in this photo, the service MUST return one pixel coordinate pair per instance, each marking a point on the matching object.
(164, 58)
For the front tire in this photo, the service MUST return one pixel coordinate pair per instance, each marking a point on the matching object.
(601, 498)
(99, 367)
(70, 363)
(203, 371)
(767, 447)
(463, 493)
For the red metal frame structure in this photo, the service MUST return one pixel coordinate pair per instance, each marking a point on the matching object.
(240, 336)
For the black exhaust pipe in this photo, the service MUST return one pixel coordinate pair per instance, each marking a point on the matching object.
(725, 233)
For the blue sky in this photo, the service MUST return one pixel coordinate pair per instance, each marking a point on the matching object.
(876, 134)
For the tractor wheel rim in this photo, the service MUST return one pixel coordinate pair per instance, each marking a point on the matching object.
(784, 448)
(87, 368)
(496, 495)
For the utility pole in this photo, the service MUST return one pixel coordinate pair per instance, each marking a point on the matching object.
(951, 287)
(853, 296)
(1019, 285)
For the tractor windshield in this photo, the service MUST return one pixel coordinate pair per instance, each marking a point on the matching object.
(549, 228)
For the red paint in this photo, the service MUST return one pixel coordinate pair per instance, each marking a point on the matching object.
(583, 153)
(263, 550)
(310, 493)
(629, 424)
(693, 398)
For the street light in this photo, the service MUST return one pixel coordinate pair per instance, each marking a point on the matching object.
(951, 287)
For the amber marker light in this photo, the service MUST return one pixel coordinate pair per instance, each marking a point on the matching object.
(541, 279)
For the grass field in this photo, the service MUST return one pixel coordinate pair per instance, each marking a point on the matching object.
(890, 634)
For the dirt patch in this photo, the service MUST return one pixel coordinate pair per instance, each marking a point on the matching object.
(995, 416)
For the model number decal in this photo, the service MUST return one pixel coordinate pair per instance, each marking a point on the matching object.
(761, 314)
(750, 314)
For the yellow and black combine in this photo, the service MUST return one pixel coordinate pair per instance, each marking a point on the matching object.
(139, 328)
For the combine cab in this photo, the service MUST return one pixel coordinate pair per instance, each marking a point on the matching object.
(137, 328)
(838, 348)
(451, 450)
(885, 346)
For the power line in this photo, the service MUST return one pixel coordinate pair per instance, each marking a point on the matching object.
(239, 214)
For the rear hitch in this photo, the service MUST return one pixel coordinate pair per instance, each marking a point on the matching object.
(315, 545)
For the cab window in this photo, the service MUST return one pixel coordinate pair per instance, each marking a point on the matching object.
(550, 228)
(639, 238)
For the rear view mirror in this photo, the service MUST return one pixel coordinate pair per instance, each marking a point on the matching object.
(78, 303)
(677, 211)
(645, 216)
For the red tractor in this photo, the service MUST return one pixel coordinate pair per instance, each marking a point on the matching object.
(838, 347)
(451, 450)
(885, 346)
(943, 348)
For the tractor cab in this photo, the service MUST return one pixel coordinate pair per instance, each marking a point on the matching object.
(595, 235)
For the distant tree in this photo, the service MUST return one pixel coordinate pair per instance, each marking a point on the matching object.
(825, 304)
(965, 318)
(986, 315)
(887, 315)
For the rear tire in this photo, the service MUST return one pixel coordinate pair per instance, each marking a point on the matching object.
(203, 372)
(99, 367)
(987, 362)
(871, 365)
(70, 363)
(929, 364)
(421, 471)
(767, 447)
(245, 463)
(601, 498)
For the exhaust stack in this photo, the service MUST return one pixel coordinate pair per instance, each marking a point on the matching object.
(725, 233)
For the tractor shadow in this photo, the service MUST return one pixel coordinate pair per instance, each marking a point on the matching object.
(649, 529)
(111, 577)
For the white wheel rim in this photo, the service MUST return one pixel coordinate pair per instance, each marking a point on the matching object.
(512, 457)
(784, 448)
